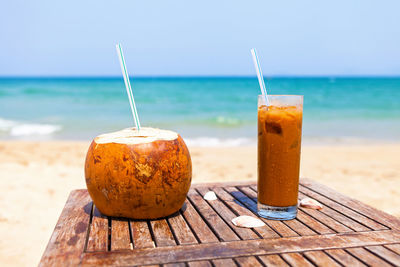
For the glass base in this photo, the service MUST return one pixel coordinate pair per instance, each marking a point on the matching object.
(276, 213)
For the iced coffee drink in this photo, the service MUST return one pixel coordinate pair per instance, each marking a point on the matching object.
(279, 144)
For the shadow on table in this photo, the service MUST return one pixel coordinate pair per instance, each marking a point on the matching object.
(244, 201)
(92, 211)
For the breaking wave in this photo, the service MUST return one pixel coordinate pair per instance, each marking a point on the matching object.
(217, 142)
(17, 128)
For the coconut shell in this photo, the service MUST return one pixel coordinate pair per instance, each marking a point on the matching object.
(139, 180)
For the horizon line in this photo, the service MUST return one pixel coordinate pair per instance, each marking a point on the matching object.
(189, 76)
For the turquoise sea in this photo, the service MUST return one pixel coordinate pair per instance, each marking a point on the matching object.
(204, 110)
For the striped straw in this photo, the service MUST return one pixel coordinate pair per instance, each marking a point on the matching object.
(128, 86)
(259, 75)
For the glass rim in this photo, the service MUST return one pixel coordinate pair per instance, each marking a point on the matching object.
(282, 95)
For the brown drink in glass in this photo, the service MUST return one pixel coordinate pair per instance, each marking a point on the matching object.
(279, 145)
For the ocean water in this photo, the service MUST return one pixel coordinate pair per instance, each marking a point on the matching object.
(214, 111)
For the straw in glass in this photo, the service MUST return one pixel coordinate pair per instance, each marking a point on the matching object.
(260, 75)
(128, 86)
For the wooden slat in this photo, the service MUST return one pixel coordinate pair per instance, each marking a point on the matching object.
(325, 219)
(295, 225)
(181, 230)
(313, 224)
(224, 232)
(273, 260)
(224, 263)
(141, 235)
(279, 227)
(394, 247)
(303, 224)
(120, 236)
(344, 258)
(349, 222)
(343, 209)
(296, 259)
(254, 188)
(195, 221)
(228, 215)
(319, 258)
(200, 264)
(248, 261)
(242, 248)
(264, 231)
(386, 254)
(368, 258)
(299, 227)
(181, 264)
(162, 234)
(67, 242)
(249, 192)
(98, 235)
(368, 211)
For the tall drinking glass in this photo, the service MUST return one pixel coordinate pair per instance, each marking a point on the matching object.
(279, 145)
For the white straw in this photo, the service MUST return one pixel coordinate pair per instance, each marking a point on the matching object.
(128, 86)
(259, 75)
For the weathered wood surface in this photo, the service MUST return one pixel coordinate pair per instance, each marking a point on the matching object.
(181, 230)
(278, 226)
(162, 233)
(98, 234)
(68, 239)
(296, 259)
(141, 235)
(273, 260)
(319, 258)
(200, 264)
(345, 232)
(385, 253)
(200, 227)
(344, 258)
(248, 261)
(367, 222)
(120, 236)
(227, 215)
(243, 248)
(339, 217)
(354, 204)
(232, 203)
(368, 258)
(220, 228)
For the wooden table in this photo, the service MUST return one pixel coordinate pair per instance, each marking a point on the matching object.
(344, 232)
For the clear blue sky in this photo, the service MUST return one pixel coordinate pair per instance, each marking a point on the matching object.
(342, 37)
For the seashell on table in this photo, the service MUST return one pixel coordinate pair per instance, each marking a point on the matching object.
(310, 204)
(247, 222)
(210, 195)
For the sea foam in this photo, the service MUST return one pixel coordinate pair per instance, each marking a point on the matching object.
(16, 128)
(217, 142)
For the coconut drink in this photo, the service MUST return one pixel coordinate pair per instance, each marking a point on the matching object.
(142, 174)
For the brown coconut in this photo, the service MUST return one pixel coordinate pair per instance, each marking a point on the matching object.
(142, 174)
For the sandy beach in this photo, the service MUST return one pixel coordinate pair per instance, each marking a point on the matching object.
(36, 178)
